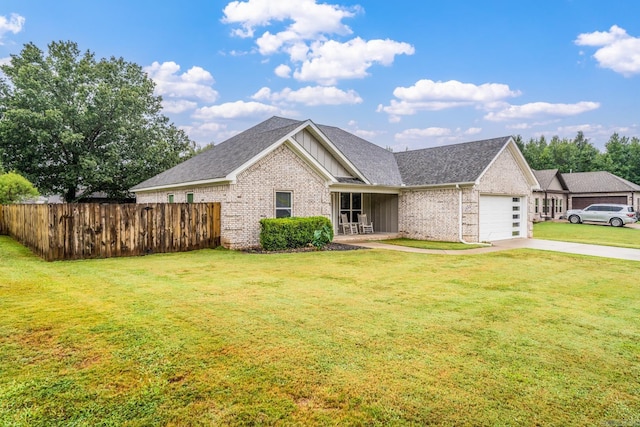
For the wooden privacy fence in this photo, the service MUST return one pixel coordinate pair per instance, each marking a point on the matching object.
(87, 230)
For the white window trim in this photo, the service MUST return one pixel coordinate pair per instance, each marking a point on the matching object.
(275, 202)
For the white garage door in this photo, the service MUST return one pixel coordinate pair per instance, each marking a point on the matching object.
(502, 217)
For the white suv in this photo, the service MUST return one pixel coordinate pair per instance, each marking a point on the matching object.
(616, 215)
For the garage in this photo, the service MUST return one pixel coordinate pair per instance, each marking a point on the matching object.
(502, 217)
(583, 202)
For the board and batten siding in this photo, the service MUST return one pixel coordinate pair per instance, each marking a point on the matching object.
(321, 154)
(382, 209)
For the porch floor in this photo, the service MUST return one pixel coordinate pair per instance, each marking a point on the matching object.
(349, 238)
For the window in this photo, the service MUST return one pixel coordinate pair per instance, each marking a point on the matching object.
(351, 205)
(170, 198)
(559, 205)
(516, 200)
(189, 197)
(545, 206)
(284, 207)
(537, 205)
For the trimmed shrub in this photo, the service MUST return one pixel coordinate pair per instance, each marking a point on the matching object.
(278, 234)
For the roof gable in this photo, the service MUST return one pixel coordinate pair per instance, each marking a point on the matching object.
(449, 164)
(377, 164)
(550, 180)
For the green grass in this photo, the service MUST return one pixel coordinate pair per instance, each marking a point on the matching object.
(596, 234)
(365, 337)
(429, 244)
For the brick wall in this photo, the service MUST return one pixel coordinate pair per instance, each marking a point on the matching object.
(433, 214)
(429, 214)
(252, 196)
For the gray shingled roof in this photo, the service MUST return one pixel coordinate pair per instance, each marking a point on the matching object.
(440, 165)
(374, 162)
(597, 182)
(545, 177)
(226, 157)
(448, 164)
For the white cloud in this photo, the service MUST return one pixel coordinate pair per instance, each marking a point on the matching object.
(415, 133)
(367, 134)
(416, 138)
(283, 71)
(233, 110)
(178, 106)
(585, 128)
(308, 18)
(306, 39)
(331, 61)
(427, 95)
(520, 126)
(602, 38)
(310, 96)
(13, 24)
(453, 90)
(541, 109)
(618, 50)
(205, 132)
(404, 108)
(193, 84)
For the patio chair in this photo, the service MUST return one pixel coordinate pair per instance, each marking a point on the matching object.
(365, 226)
(348, 227)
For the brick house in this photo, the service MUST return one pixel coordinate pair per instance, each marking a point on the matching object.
(559, 192)
(475, 191)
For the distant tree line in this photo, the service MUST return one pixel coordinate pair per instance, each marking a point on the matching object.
(621, 156)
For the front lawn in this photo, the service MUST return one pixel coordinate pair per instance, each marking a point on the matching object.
(596, 234)
(367, 337)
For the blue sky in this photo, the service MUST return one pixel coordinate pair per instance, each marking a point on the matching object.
(402, 74)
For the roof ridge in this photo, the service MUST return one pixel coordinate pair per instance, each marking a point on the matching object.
(456, 144)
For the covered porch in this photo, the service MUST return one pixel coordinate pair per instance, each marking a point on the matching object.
(381, 209)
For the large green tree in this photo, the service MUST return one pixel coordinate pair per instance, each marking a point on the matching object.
(71, 123)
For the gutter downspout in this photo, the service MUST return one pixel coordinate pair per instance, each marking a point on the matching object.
(460, 239)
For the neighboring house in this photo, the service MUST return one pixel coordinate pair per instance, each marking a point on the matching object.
(561, 191)
(476, 191)
(550, 201)
(95, 197)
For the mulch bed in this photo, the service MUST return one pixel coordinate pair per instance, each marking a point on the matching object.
(329, 247)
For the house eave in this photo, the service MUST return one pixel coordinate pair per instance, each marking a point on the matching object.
(363, 188)
(436, 186)
(180, 185)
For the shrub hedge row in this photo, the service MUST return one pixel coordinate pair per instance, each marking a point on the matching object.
(289, 233)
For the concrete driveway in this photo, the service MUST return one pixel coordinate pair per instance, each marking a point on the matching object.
(539, 244)
(571, 248)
